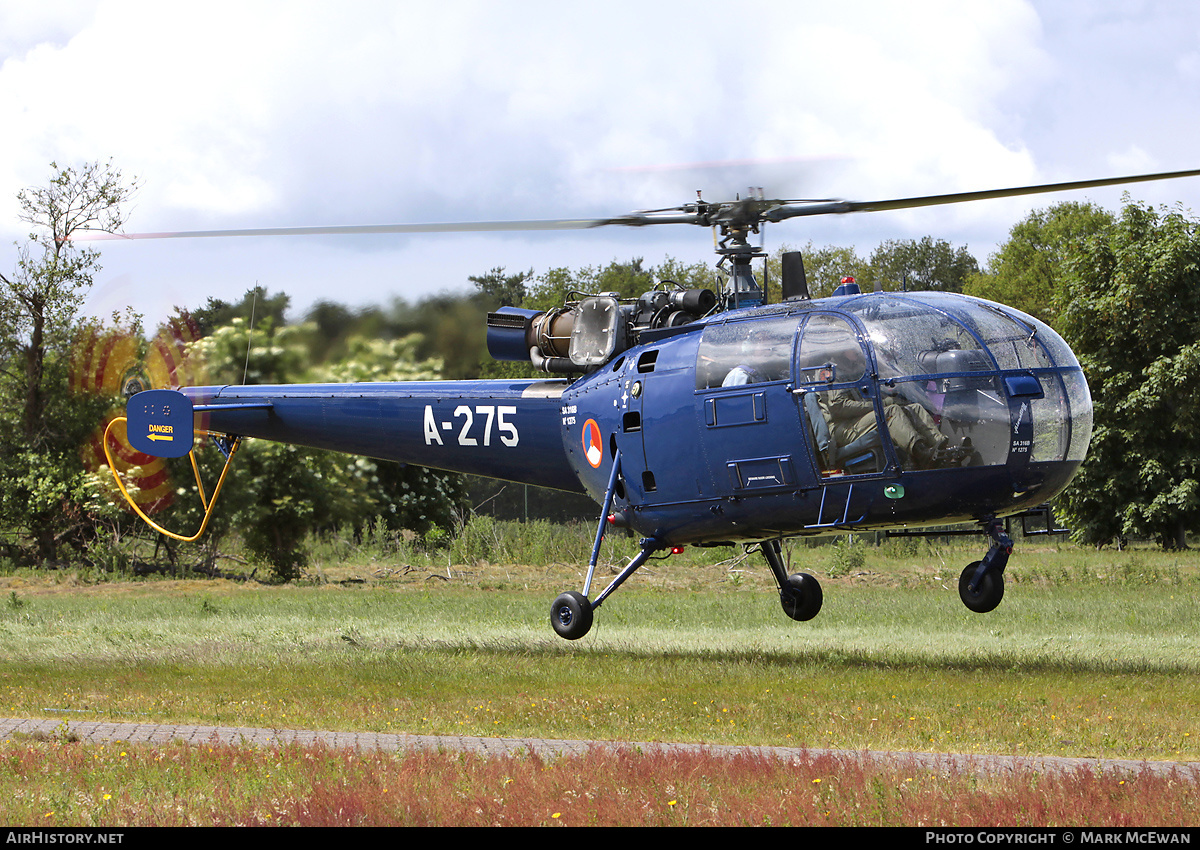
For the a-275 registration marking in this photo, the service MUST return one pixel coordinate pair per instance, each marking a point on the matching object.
(494, 421)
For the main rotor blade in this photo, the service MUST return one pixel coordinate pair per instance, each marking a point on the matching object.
(325, 230)
(838, 207)
(678, 215)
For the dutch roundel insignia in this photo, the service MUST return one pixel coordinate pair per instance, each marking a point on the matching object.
(592, 447)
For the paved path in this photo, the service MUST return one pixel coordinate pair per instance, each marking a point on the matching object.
(162, 733)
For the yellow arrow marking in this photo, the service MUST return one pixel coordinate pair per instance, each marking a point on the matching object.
(166, 437)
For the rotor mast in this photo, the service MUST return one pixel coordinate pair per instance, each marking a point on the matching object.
(742, 288)
(732, 224)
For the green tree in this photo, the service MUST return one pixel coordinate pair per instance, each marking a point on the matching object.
(1130, 308)
(699, 275)
(332, 323)
(1026, 271)
(232, 354)
(501, 289)
(824, 268)
(629, 280)
(452, 328)
(922, 264)
(551, 289)
(256, 305)
(41, 422)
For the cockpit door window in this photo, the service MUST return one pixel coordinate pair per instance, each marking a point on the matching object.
(839, 412)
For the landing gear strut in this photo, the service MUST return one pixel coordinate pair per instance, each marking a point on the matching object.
(571, 613)
(981, 585)
(800, 593)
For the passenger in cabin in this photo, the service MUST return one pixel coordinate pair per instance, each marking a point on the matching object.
(763, 355)
(741, 374)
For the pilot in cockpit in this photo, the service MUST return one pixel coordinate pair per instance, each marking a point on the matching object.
(851, 416)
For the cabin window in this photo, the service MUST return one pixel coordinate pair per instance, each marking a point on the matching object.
(754, 351)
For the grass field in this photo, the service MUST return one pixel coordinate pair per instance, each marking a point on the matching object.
(1090, 654)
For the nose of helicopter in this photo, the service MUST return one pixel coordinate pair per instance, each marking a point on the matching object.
(981, 385)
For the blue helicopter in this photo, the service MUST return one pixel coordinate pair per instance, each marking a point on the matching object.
(698, 418)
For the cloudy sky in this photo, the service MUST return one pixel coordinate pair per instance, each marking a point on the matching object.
(254, 114)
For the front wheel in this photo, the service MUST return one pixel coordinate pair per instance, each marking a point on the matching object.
(801, 596)
(571, 615)
(987, 595)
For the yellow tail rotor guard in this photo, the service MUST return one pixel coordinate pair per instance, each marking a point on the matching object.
(207, 503)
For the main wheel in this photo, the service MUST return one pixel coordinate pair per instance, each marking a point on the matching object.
(571, 615)
(987, 595)
(801, 596)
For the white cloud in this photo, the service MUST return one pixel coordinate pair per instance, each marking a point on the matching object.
(260, 114)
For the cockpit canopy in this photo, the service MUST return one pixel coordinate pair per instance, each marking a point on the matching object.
(957, 361)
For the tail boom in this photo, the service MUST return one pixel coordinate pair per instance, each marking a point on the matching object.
(498, 428)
